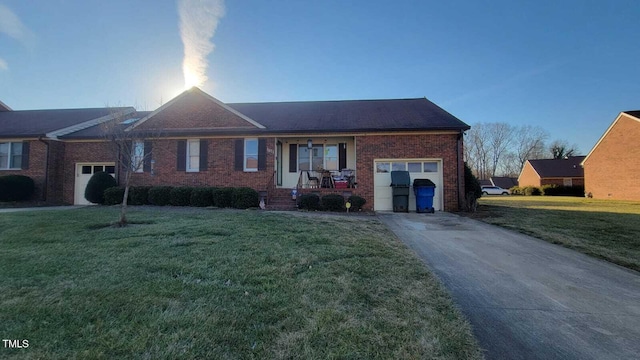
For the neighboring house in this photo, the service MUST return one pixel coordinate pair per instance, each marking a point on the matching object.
(504, 182)
(30, 144)
(612, 167)
(563, 172)
(271, 147)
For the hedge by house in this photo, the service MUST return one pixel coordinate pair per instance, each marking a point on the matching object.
(309, 202)
(333, 202)
(138, 195)
(16, 188)
(357, 202)
(160, 195)
(202, 197)
(113, 195)
(98, 183)
(180, 196)
(245, 198)
(223, 197)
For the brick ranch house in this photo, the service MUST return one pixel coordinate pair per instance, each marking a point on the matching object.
(612, 167)
(271, 147)
(562, 172)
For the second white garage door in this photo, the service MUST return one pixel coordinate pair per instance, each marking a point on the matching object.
(418, 169)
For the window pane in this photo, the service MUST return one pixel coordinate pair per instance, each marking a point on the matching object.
(16, 155)
(382, 167)
(431, 166)
(399, 166)
(414, 167)
(97, 168)
(318, 157)
(251, 146)
(251, 154)
(194, 147)
(109, 169)
(303, 158)
(138, 148)
(194, 162)
(331, 157)
(4, 155)
(86, 169)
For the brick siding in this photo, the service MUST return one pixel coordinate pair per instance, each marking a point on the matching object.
(36, 170)
(442, 146)
(612, 170)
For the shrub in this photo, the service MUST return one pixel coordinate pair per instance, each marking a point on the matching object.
(309, 202)
(223, 197)
(113, 195)
(556, 190)
(98, 183)
(244, 198)
(159, 195)
(201, 197)
(16, 188)
(333, 202)
(180, 196)
(357, 202)
(516, 190)
(139, 195)
(531, 191)
(471, 183)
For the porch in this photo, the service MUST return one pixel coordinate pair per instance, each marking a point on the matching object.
(315, 163)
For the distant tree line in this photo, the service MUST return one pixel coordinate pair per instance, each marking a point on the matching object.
(500, 149)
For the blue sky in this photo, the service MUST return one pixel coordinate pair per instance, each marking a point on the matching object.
(567, 66)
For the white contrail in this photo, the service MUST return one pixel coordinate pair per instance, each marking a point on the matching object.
(11, 26)
(198, 22)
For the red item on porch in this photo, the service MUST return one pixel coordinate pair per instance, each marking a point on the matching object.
(341, 184)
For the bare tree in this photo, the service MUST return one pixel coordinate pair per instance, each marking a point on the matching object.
(131, 148)
(529, 143)
(560, 149)
(500, 139)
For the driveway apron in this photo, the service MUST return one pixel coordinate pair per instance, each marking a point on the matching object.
(526, 298)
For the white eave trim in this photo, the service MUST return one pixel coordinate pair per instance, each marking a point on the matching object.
(87, 124)
(3, 105)
(184, 93)
(607, 133)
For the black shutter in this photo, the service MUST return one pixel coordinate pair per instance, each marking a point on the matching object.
(262, 154)
(342, 156)
(146, 164)
(182, 155)
(239, 160)
(25, 155)
(293, 158)
(204, 154)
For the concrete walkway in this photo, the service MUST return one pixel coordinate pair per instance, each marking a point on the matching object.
(526, 298)
(41, 208)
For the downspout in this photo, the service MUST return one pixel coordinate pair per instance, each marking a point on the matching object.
(46, 169)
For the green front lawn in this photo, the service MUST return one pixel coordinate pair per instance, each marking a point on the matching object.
(606, 229)
(198, 283)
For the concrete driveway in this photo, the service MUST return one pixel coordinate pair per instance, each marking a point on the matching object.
(526, 298)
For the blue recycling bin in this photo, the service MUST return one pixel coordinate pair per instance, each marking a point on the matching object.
(424, 190)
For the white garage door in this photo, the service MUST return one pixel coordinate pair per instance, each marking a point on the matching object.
(418, 169)
(83, 174)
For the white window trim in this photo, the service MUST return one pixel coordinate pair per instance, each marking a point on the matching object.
(188, 154)
(137, 162)
(244, 154)
(10, 157)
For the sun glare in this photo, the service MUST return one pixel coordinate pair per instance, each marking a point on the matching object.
(191, 78)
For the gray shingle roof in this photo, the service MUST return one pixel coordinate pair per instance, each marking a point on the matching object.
(635, 113)
(569, 167)
(34, 123)
(350, 115)
(96, 131)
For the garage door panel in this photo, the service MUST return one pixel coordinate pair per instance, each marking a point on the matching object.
(84, 171)
(418, 169)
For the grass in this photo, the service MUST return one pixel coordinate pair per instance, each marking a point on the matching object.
(187, 283)
(606, 229)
